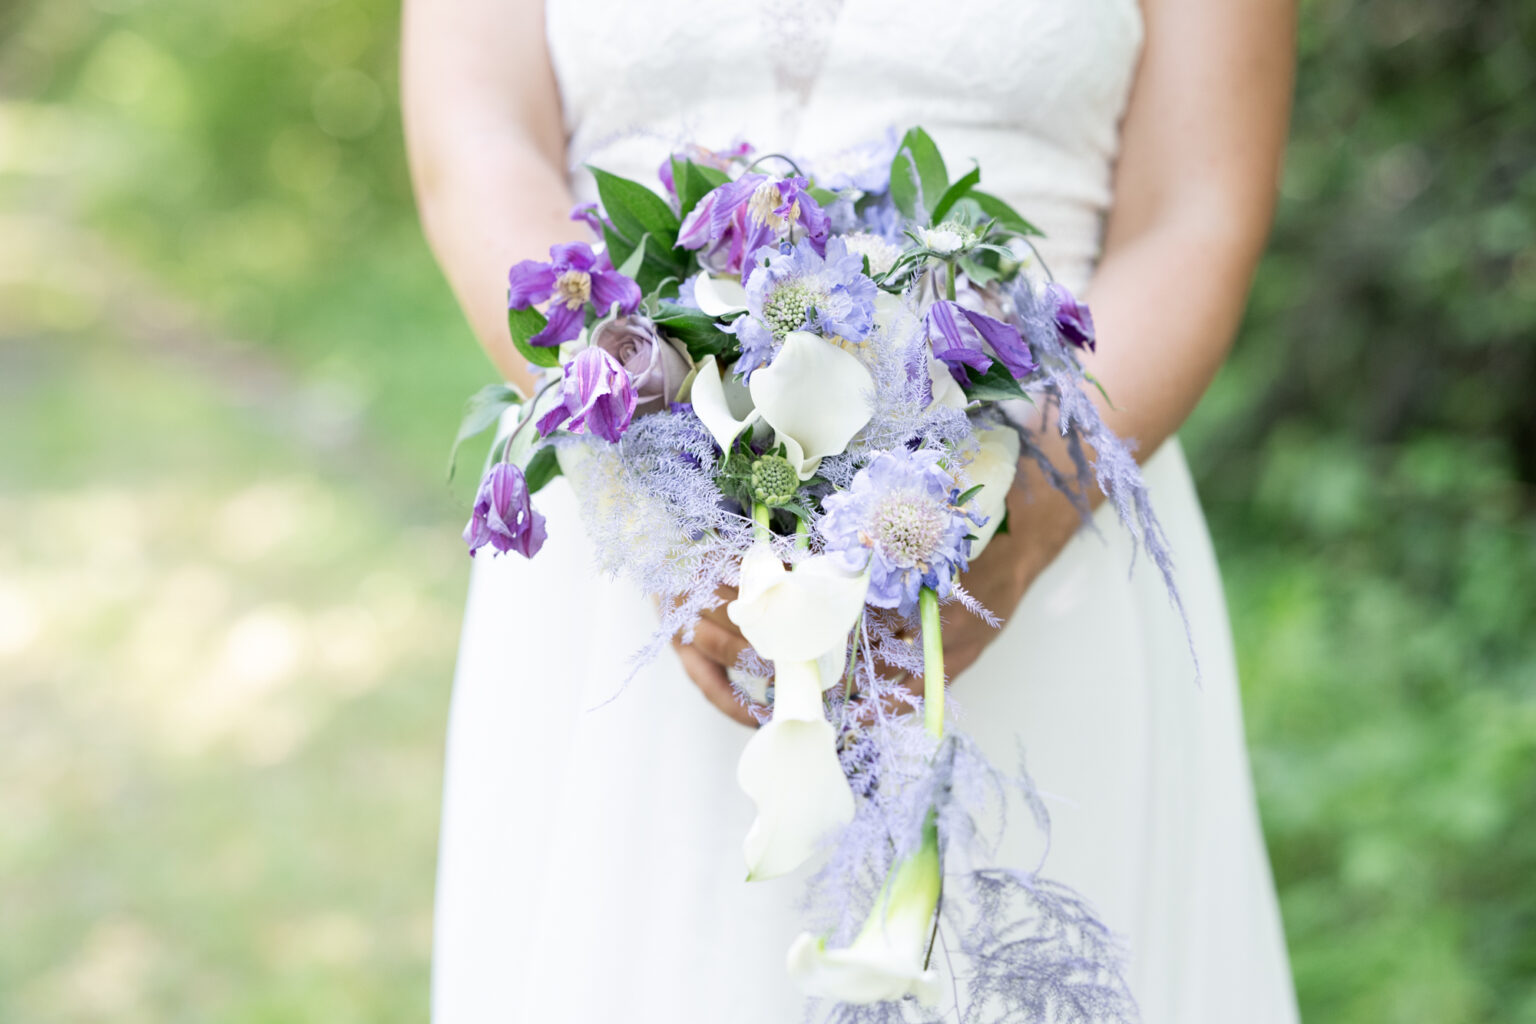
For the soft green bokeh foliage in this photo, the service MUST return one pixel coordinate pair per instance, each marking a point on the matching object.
(230, 576)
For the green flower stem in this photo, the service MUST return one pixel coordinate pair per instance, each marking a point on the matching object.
(802, 535)
(933, 663)
(506, 449)
(761, 515)
(949, 279)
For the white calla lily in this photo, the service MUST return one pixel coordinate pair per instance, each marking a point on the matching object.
(885, 962)
(719, 296)
(993, 467)
(815, 395)
(724, 406)
(790, 767)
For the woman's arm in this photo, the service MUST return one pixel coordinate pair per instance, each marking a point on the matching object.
(487, 151)
(1194, 193)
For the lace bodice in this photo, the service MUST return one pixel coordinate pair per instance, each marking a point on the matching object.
(1034, 89)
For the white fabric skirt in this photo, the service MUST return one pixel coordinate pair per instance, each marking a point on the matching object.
(590, 869)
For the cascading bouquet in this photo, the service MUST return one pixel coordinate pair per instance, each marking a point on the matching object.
(812, 387)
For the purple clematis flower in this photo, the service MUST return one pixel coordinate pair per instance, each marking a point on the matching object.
(963, 338)
(899, 520)
(1072, 317)
(590, 215)
(574, 278)
(598, 397)
(503, 516)
(736, 219)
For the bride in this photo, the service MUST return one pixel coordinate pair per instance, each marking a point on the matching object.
(590, 867)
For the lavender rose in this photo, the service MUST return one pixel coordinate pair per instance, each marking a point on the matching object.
(655, 365)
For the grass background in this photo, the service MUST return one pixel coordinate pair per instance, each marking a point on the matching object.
(230, 576)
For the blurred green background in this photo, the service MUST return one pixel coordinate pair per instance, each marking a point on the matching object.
(230, 576)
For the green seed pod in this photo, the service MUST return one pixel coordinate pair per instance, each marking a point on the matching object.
(774, 481)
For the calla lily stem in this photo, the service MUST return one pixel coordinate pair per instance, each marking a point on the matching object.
(933, 663)
(761, 515)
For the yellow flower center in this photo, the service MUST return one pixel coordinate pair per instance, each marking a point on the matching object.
(764, 204)
(574, 288)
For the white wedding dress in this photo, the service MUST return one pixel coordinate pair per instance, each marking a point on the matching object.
(590, 866)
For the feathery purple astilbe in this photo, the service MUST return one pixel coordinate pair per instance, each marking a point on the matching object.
(574, 278)
(798, 288)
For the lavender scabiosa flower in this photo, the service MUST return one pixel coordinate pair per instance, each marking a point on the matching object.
(503, 516)
(736, 219)
(899, 519)
(574, 278)
(802, 289)
(597, 397)
(964, 339)
(1072, 317)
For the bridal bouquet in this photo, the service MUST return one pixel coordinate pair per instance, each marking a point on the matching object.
(814, 384)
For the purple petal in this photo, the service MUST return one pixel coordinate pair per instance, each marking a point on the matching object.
(572, 256)
(564, 324)
(956, 342)
(528, 283)
(1005, 340)
(611, 286)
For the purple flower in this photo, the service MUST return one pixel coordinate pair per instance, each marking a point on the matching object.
(655, 367)
(1072, 317)
(899, 520)
(503, 516)
(719, 159)
(736, 219)
(597, 397)
(801, 289)
(574, 278)
(588, 214)
(963, 338)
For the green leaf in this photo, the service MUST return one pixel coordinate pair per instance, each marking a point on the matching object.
(543, 467)
(918, 177)
(968, 495)
(482, 410)
(996, 385)
(525, 323)
(698, 332)
(635, 210)
(1002, 524)
(631, 266)
(823, 197)
(955, 192)
(1002, 213)
(693, 182)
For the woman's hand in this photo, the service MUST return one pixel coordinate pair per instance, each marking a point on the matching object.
(716, 647)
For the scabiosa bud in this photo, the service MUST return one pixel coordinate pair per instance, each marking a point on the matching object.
(598, 397)
(503, 516)
(774, 481)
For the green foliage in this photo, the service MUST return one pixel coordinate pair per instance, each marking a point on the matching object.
(482, 410)
(918, 176)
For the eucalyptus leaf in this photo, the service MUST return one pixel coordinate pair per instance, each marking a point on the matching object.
(482, 410)
(524, 324)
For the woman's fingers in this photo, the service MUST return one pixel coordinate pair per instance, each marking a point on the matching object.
(717, 643)
(711, 680)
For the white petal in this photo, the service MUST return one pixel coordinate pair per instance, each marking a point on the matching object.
(790, 770)
(719, 296)
(993, 467)
(858, 975)
(799, 615)
(946, 390)
(814, 392)
(714, 406)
